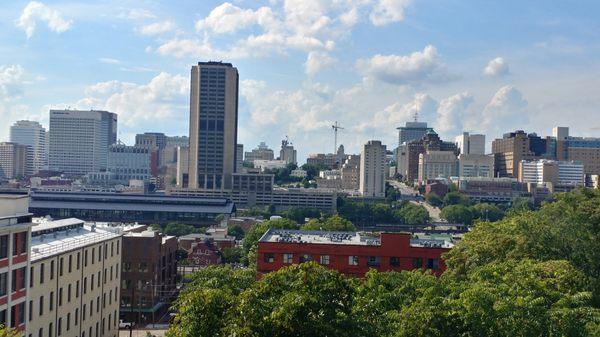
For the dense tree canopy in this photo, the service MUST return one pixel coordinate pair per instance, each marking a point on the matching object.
(366, 214)
(333, 223)
(532, 273)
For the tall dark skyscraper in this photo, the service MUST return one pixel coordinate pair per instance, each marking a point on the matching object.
(213, 125)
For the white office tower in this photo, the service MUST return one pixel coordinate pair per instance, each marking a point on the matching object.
(33, 135)
(476, 165)
(471, 144)
(559, 176)
(372, 169)
(79, 140)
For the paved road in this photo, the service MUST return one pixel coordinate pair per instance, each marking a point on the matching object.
(408, 194)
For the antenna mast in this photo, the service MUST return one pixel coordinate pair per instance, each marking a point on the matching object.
(335, 128)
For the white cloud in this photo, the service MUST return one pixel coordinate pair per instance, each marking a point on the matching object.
(228, 18)
(37, 11)
(505, 111)
(157, 28)
(160, 100)
(496, 67)
(295, 25)
(388, 11)
(137, 14)
(452, 113)
(11, 82)
(109, 60)
(317, 61)
(417, 68)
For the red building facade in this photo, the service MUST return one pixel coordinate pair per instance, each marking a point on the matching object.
(350, 253)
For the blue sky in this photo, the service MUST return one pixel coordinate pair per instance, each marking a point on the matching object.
(479, 66)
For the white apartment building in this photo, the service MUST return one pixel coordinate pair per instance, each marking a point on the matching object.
(74, 280)
(475, 165)
(557, 175)
(34, 135)
(471, 144)
(79, 140)
(437, 164)
(15, 233)
(372, 169)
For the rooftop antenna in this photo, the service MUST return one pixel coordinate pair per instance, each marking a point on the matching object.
(335, 128)
(416, 116)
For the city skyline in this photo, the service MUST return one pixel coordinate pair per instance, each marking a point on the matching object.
(301, 68)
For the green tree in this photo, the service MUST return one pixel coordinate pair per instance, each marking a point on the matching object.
(301, 300)
(206, 304)
(487, 212)
(232, 255)
(258, 230)
(9, 332)
(237, 231)
(457, 214)
(434, 199)
(411, 214)
(455, 198)
(333, 223)
(177, 229)
(312, 170)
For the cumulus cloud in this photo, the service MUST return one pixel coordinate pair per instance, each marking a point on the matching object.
(388, 11)
(452, 112)
(417, 68)
(295, 25)
(161, 99)
(496, 67)
(37, 11)
(505, 110)
(228, 18)
(11, 82)
(317, 61)
(157, 28)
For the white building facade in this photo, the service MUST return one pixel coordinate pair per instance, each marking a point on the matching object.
(34, 135)
(372, 169)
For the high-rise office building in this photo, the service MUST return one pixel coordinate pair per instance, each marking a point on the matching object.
(79, 140)
(239, 158)
(213, 125)
(155, 142)
(476, 165)
(127, 163)
(34, 135)
(437, 164)
(412, 131)
(14, 161)
(557, 175)
(581, 149)
(372, 169)
(509, 151)
(471, 144)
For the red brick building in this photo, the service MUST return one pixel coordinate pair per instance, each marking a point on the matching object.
(350, 253)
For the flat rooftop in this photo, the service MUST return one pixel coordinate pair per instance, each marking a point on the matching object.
(320, 237)
(350, 238)
(50, 237)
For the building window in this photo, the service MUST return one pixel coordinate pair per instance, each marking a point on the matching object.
(288, 258)
(394, 261)
(305, 258)
(30, 310)
(41, 332)
(59, 326)
(41, 311)
(269, 257)
(31, 277)
(3, 284)
(51, 306)
(42, 273)
(417, 262)
(60, 266)
(3, 246)
(324, 259)
(126, 266)
(143, 267)
(70, 263)
(76, 316)
(52, 270)
(433, 264)
(78, 259)
(374, 261)
(3, 317)
(353, 260)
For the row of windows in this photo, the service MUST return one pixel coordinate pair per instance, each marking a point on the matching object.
(112, 318)
(354, 260)
(96, 256)
(19, 244)
(18, 281)
(112, 296)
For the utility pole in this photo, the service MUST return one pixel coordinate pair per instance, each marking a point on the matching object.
(335, 128)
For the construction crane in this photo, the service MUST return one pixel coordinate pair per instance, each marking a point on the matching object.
(335, 128)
